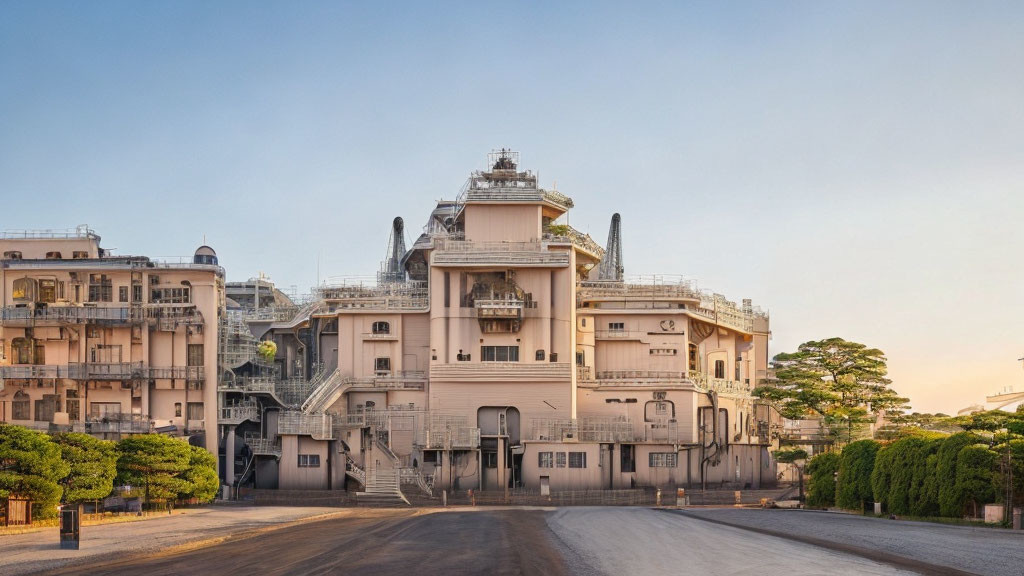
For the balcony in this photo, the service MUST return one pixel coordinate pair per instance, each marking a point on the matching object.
(238, 413)
(518, 254)
(263, 446)
(106, 371)
(119, 424)
(462, 438)
(318, 426)
(60, 315)
(635, 379)
(187, 373)
(379, 336)
(30, 371)
(499, 309)
(502, 372)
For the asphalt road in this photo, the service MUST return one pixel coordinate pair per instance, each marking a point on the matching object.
(582, 541)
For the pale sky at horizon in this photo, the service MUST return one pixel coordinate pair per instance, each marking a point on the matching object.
(857, 168)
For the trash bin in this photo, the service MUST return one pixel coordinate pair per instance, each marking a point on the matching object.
(70, 526)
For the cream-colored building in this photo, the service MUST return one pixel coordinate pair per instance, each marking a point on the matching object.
(505, 350)
(109, 345)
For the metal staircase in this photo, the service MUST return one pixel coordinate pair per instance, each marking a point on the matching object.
(324, 392)
(383, 483)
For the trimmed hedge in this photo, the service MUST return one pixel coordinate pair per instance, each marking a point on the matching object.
(857, 460)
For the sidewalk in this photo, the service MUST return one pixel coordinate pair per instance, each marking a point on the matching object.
(40, 550)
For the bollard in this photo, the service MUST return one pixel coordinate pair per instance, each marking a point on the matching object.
(739, 497)
(472, 498)
(680, 497)
(657, 498)
(444, 498)
(1016, 518)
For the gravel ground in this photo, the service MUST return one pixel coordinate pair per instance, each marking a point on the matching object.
(977, 550)
(640, 541)
(38, 551)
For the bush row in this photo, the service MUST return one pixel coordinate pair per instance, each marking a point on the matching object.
(73, 467)
(920, 474)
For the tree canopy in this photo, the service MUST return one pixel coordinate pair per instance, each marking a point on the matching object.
(93, 465)
(838, 380)
(31, 466)
(154, 463)
(201, 480)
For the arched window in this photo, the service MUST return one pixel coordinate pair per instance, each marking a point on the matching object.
(24, 290)
(21, 406)
(382, 328)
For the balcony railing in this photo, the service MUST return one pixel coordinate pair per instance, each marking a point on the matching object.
(263, 446)
(29, 371)
(584, 429)
(187, 373)
(463, 438)
(238, 413)
(584, 373)
(502, 371)
(19, 316)
(318, 426)
(119, 424)
(499, 309)
(107, 371)
(468, 253)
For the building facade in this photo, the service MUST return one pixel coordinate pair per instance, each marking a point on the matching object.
(506, 350)
(108, 345)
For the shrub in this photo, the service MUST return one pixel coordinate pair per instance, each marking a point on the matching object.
(856, 463)
(950, 503)
(154, 463)
(201, 477)
(975, 477)
(821, 490)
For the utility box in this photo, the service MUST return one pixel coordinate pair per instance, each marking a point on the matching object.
(70, 526)
(878, 508)
(993, 513)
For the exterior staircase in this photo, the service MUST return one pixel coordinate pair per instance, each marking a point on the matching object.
(383, 483)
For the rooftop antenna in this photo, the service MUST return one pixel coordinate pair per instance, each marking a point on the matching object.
(611, 266)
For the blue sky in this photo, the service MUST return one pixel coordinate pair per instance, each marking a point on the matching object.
(856, 168)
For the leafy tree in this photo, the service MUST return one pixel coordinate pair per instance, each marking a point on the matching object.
(951, 502)
(154, 463)
(856, 463)
(93, 465)
(992, 420)
(821, 490)
(30, 466)
(975, 476)
(201, 480)
(833, 378)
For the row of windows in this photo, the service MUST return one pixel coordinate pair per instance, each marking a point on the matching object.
(21, 408)
(101, 289)
(54, 255)
(499, 353)
(559, 459)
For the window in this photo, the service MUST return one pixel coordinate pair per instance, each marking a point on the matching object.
(499, 353)
(170, 296)
(447, 290)
(48, 291)
(553, 356)
(382, 328)
(12, 255)
(382, 365)
(540, 356)
(719, 368)
(101, 288)
(663, 459)
(21, 350)
(72, 404)
(577, 459)
(79, 254)
(616, 326)
(579, 358)
(627, 458)
(100, 410)
(177, 409)
(21, 407)
(136, 292)
(24, 290)
(122, 293)
(693, 357)
(195, 355)
(195, 411)
(3, 352)
(559, 459)
(309, 460)
(53, 256)
(544, 459)
(490, 459)
(661, 409)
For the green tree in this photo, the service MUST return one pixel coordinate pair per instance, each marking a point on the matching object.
(201, 480)
(154, 463)
(821, 490)
(975, 476)
(834, 378)
(992, 420)
(93, 465)
(950, 498)
(797, 457)
(31, 466)
(856, 462)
